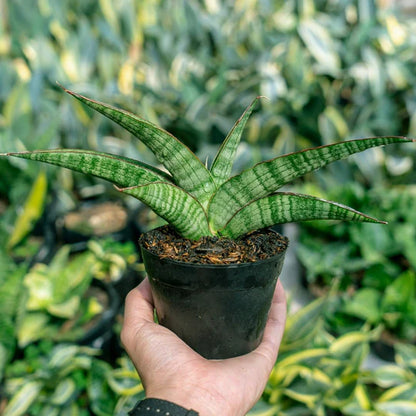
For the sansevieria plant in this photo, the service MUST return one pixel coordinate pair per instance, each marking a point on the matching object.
(220, 310)
(200, 201)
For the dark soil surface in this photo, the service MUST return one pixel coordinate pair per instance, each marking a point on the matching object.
(257, 245)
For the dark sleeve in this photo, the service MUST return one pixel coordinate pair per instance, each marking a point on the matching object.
(157, 407)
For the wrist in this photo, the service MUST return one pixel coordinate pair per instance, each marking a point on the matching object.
(196, 399)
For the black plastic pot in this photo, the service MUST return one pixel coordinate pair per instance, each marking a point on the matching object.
(218, 310)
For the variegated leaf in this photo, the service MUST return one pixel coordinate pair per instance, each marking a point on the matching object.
(223, 162)
(176, 206)
(119, 170)
(303, 325)
(23, 399)
(397, 408)
(266, 177)
(284, 207)
(64, 391)
(187, 170)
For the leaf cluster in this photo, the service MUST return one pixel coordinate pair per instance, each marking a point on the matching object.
(317, 374)
(375, 267)
(200, 201)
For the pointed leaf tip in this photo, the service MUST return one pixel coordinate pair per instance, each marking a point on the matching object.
(185, 167)
(266, 177)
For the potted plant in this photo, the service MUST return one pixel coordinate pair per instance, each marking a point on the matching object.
(213, 296)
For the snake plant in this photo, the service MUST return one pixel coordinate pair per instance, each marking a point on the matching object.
(200, 201)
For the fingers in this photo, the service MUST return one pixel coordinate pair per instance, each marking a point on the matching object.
(276, 321)
(266, 353)
(138, 310)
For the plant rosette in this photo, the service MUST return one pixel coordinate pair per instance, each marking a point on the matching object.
(207, 202)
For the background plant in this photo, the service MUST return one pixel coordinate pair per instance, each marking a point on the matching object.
(375, 265)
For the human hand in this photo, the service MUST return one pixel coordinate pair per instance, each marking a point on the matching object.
(170, 370)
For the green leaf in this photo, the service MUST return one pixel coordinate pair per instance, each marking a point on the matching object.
(23, 399)
(309, 356)
(389, 375)
(345, 344)
(365, 304)
(119, 170)
(125, 382)
(66, 309)
(31, 328)
(397, 408)
(402, 391)
(320, 45)
(263, 409)
(223, 162)
(102, 399)
(266, 177)
(174, 205)
(405, 355)
(32, 210)
(288, 207)
(302, 326)
(63, 355)
(64, 391)
(400, 294)
(187, 170)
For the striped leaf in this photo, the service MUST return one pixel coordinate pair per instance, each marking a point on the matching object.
(187, 170)
(223, 162)
(288, 207)
(119, 170)
(266, 177)
(176, 206)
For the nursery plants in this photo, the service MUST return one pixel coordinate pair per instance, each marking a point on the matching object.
(62, 302)
(64, 379)
(375, 266)
(211, 213)
(317, 374)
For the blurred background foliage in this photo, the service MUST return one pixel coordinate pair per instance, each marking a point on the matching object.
(331, 70)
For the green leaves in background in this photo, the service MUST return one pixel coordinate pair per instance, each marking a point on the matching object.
(317, 374)
(32, 211)
(64, 380)
(374, 264)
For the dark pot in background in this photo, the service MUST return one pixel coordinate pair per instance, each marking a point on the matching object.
(92, 219)
(218, 310)
(102, 335)
(384, 347)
